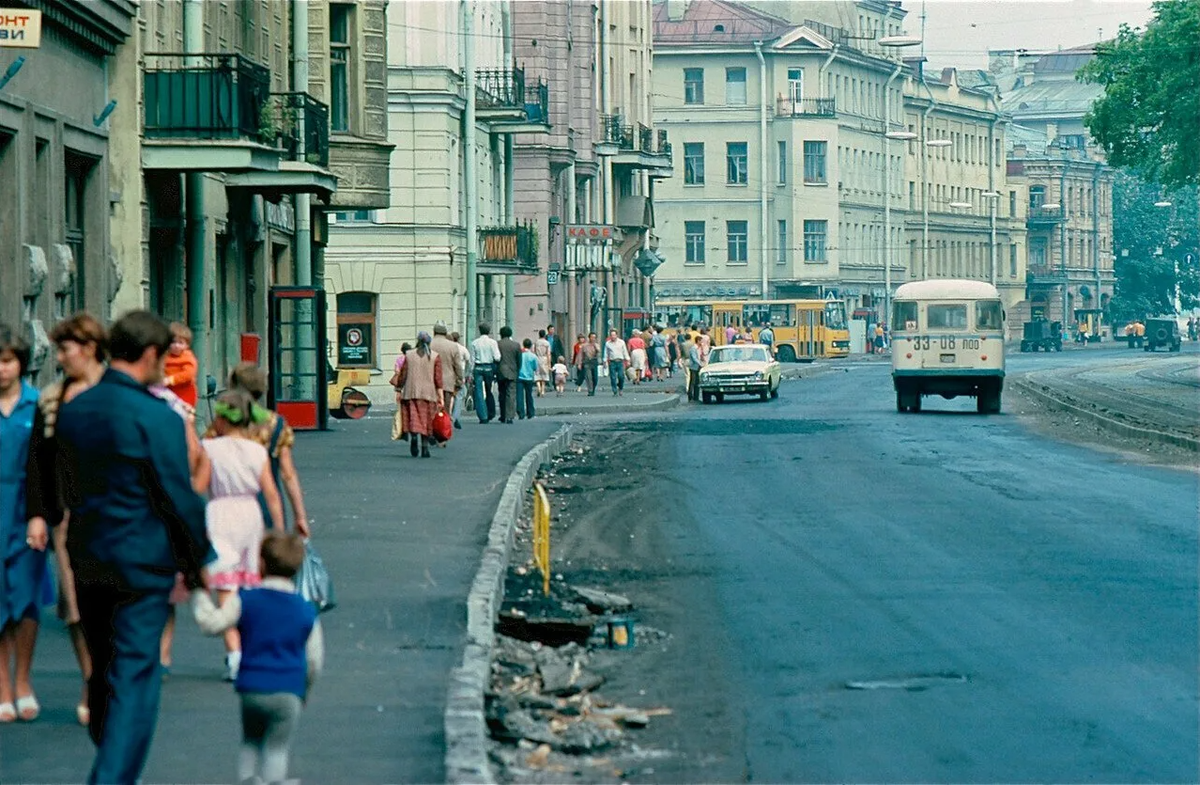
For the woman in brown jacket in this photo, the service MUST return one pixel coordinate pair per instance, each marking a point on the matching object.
(421, 393)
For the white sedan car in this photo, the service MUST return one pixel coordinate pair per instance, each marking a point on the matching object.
(740, 369)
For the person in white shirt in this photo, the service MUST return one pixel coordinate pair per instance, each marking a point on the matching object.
(616, 354)
(485, 355)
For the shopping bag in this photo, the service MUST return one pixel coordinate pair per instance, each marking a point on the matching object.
(313, 581)
(442, 427)
(398, 423)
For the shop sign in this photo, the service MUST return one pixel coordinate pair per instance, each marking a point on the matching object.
(20, 28)
(355, 343)
(590, 232)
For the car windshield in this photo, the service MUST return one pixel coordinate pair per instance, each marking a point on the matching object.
(738, 354)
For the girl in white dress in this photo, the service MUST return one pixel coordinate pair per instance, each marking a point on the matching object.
(240, 470)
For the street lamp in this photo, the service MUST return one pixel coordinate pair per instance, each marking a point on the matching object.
(993, 198)
(1052, 206)
(938, 143)
(960, 205)
(891, 42)
(1162, 203)
(901, 136)
(897, 41)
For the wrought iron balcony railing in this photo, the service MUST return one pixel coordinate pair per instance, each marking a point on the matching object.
(664, 146)
(203, 96)
(806, 107)
(504, 88)
(513, 246)
(1045, 216)
(1044, 273)
(281, 127)
(634, 137)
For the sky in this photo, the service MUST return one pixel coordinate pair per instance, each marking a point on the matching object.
(960, 32)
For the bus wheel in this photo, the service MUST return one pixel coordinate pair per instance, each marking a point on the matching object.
(786, 354)
(988, 401)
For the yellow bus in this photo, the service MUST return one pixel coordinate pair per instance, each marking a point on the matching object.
(804, 329)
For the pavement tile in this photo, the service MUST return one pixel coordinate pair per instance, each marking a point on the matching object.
(402, 538)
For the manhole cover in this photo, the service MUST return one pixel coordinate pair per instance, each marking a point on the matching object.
(909, 683)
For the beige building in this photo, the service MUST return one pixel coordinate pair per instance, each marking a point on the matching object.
(59, 136)
(963, 218)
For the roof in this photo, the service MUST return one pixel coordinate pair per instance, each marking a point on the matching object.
(1053, 98)
(1065, 61)
(716, 22)
(946, 289)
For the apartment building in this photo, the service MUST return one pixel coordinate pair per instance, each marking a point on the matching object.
(778, 129)
(57, 134)
(401, 270)
(964, 217)
(592, 176)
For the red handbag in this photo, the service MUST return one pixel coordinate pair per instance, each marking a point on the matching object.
(443, 428)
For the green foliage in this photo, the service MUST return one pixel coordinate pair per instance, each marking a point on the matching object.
(1148, 117)
(1148, 241)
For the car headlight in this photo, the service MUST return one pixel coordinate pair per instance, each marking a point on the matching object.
(758, 376)
(704, 377)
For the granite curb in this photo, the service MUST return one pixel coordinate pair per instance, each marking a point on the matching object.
(465, 725)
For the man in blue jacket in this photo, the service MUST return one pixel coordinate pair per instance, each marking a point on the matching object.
(135, 522)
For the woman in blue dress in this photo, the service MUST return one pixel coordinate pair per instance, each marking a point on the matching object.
(24, 577)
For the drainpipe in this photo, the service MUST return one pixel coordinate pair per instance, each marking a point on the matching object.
(568, 218)
(887, 196)
(469, 174)
(1063, 211)
(301, 202)
(1096, 231)
(762, 167)
(995, 200)
(821, 86)
(510, 218)
(608, 203)
(925, 179)
(196, 234)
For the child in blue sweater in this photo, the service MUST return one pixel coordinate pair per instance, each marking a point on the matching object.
(282, 654)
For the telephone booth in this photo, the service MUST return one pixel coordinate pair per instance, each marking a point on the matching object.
(298, 363)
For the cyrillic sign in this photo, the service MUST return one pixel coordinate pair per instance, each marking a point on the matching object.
(20, 28)
(596, 232)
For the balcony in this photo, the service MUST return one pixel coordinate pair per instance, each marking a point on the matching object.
(635, 145)
(1044, 218)
(509, 250)
(1044, 275)
(204, 112)
(805, 107)
(508, 104)
(290, 118)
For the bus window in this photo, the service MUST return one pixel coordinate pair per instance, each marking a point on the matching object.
(699, 314)
(756, 315)
(989, 315)
(783, 315)
(947, 317)
(904, 317)
(835, 315)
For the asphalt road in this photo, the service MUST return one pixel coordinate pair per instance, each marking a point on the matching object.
(874, 597)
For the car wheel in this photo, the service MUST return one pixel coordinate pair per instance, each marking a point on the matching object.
(706, 397)
(775, 391)
(720, 397)
(764, 396)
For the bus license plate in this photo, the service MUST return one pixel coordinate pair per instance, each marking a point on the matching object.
(947, 358)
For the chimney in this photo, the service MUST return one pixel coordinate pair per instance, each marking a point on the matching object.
(1018, 151)
(676, 9)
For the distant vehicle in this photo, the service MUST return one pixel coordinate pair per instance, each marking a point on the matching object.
(1042, 334)
(740, 369)
(948, 340)
(346, 402)
(803, 329)
(1164, 332)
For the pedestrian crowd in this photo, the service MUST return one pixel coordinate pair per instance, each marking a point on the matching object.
(105, 471)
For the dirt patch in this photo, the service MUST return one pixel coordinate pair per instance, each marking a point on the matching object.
(581, 711)
(1061, 425)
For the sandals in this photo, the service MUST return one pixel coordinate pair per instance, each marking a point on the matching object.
(8, 713)
(83, 714)
(28, 708)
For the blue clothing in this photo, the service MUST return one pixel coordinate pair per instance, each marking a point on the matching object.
(24, 577)
(274, 626)
(135, 520)
(529, 366)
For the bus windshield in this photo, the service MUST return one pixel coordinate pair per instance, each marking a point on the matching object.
(835, 315)
(677, 317)
(738, 354)
(947, 316)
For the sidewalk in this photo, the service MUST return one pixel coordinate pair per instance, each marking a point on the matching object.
(402, 538)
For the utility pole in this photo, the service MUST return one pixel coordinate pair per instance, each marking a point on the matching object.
(763, 226)
(469, 164)
(887, 196)
(196, 234)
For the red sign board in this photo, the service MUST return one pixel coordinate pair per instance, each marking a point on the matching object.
(591, 232)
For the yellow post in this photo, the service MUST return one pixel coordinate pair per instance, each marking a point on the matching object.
(541, 534)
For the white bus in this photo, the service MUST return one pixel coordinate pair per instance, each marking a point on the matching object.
(948, 340)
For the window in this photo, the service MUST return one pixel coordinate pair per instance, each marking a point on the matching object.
(738, 235)
(781, 252)
(356, 329)
(1012, 204)
(947, 317)
(693, 242)
(693, 85)
(1037, 196)
(912, 195)
(989, 315)
(693, 163)
(814, 161)
(356, 217)
(339, 66)
(796, 84)
(78, 170)
(1012, 260)
(735, 160)
(904, 316)
(782, 162)
(814, 241)
(735, 86)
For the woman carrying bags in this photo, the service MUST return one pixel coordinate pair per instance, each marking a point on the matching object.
(420, 387)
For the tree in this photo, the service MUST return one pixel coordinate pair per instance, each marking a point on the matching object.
(1148, 242)
(1148, 117)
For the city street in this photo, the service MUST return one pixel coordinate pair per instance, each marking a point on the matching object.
(876, 597)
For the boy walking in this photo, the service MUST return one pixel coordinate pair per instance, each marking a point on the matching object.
(180, 365)
(282, 655)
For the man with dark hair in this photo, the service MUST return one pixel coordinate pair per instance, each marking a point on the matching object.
(556, 345)
(135, 522)
(485, 355)
(506, 374)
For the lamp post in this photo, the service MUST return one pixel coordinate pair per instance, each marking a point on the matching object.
(891, 42)
(993, 198)
(925, 144)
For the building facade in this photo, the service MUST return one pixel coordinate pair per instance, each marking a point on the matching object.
(57, 251)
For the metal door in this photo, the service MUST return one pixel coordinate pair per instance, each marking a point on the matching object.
(298, 363)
